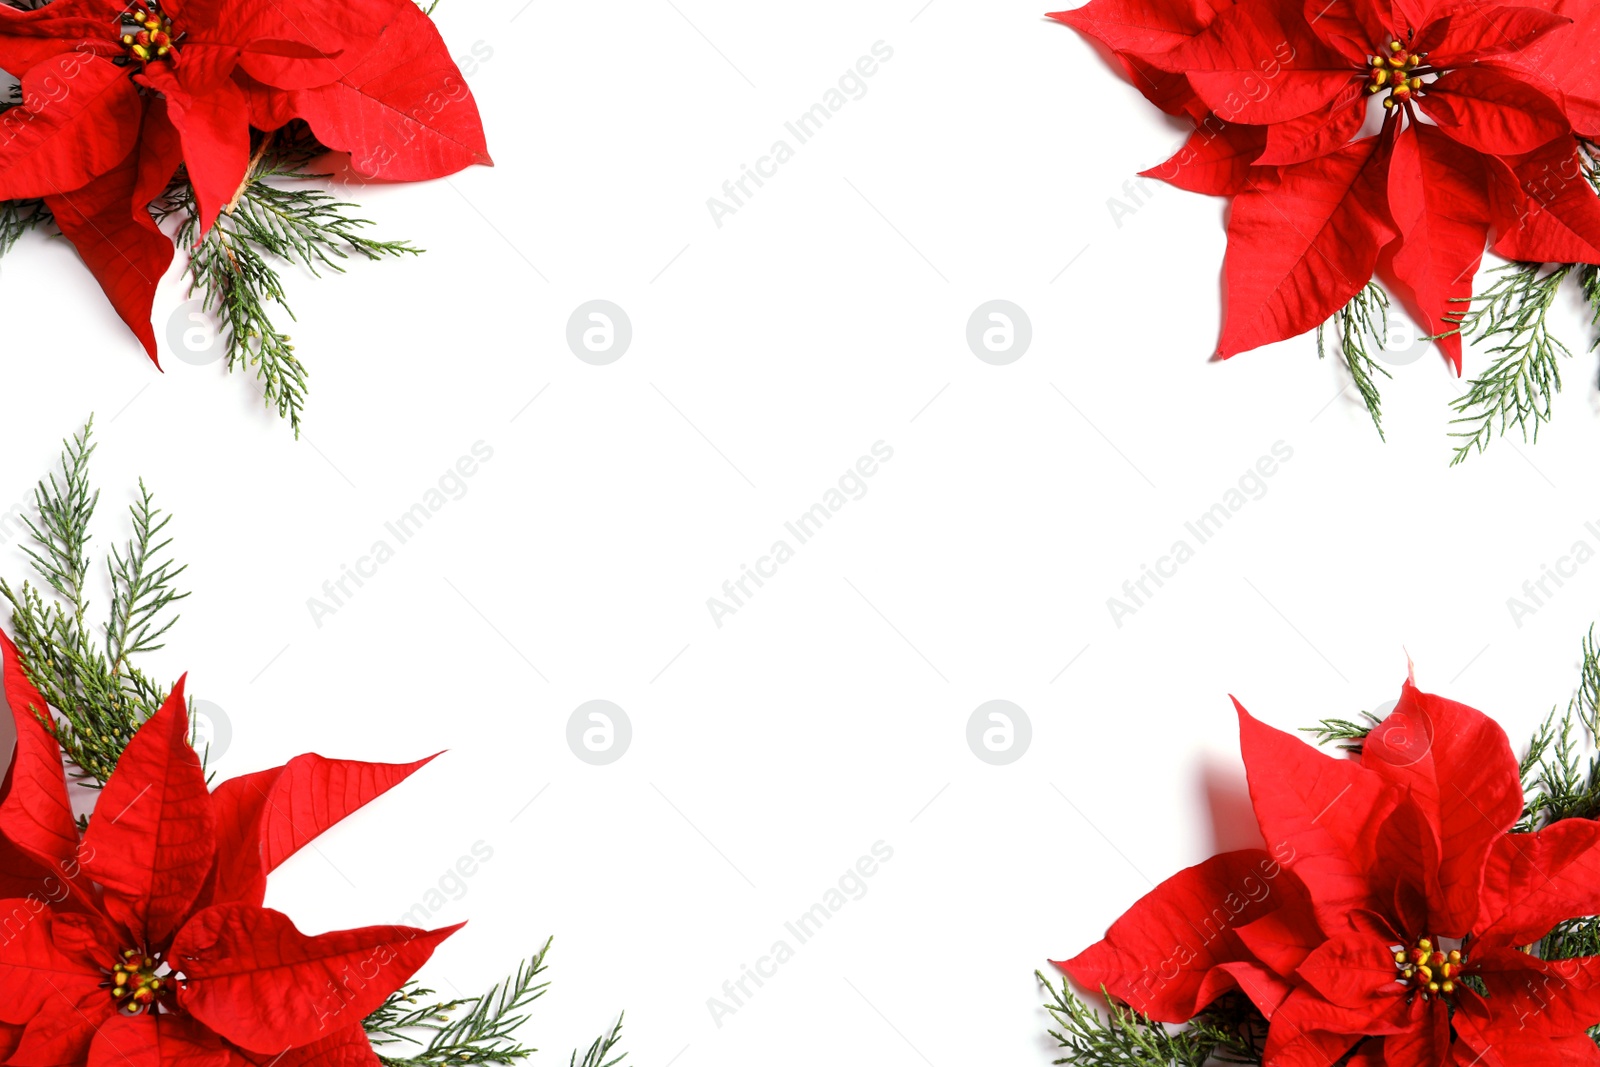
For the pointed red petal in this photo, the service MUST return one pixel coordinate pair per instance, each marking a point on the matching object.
(63, 1033)
(1321, 813)
(1162, 956)
(1353, 27)
(153, 833)
(346, 31)
(1266, 990)
(1568, 59)
(266, 817)
(79, 118)
(405, 112)
(156, 1041)
(1354, 971)
(109, 223)
(1534, 881)
(47, 990)
(262, 984)
(1283, 939)
(1299, 250)
(348, 1047)
(31, 37)
(313, 793)
(160, 153)
(1473, 32)
(1559, 219)
(36, 815)
(215, 131)
(1259, 63)
(1143, 27)
(1490, 109)
(1459, 769)
(1551, 998)
(1428, 1042)
(240, 872)
(1316, 133)
(1216, 161)
(1439, 198)
(1301, 1032)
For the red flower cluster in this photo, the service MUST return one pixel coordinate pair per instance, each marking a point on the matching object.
(1388, 917)
(116, 95)
(1482, 106)
(143, 943)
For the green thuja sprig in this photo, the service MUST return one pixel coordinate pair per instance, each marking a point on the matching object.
(1230, 1031)
(1361, 323)
(17, 217)
(1518, 389)
(1345, 733)
(273, 220)
(86, 672)
(1561, 772)
(472, 1030)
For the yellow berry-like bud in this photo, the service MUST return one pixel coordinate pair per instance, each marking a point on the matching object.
(1395, 46)
(1426, 972)
(1388, 102)
(1433, 987)
(1416, 83)
(1380, 76)
(1447, 987)
(1399, 957)
(1455, 956)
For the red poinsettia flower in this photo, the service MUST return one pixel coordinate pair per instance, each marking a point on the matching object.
(117, 94)
(1388, 917)
(1481, 106)
(142, 941)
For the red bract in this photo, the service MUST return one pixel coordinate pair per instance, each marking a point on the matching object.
(1388, 914)
(1481, 109)
(116, 95)
(143, 942)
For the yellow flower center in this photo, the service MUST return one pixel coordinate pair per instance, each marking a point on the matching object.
(146, 35)
(134, 983)
(1427, 968)
(1398, 71)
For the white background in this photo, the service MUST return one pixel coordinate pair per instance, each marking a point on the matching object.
(768, 355)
